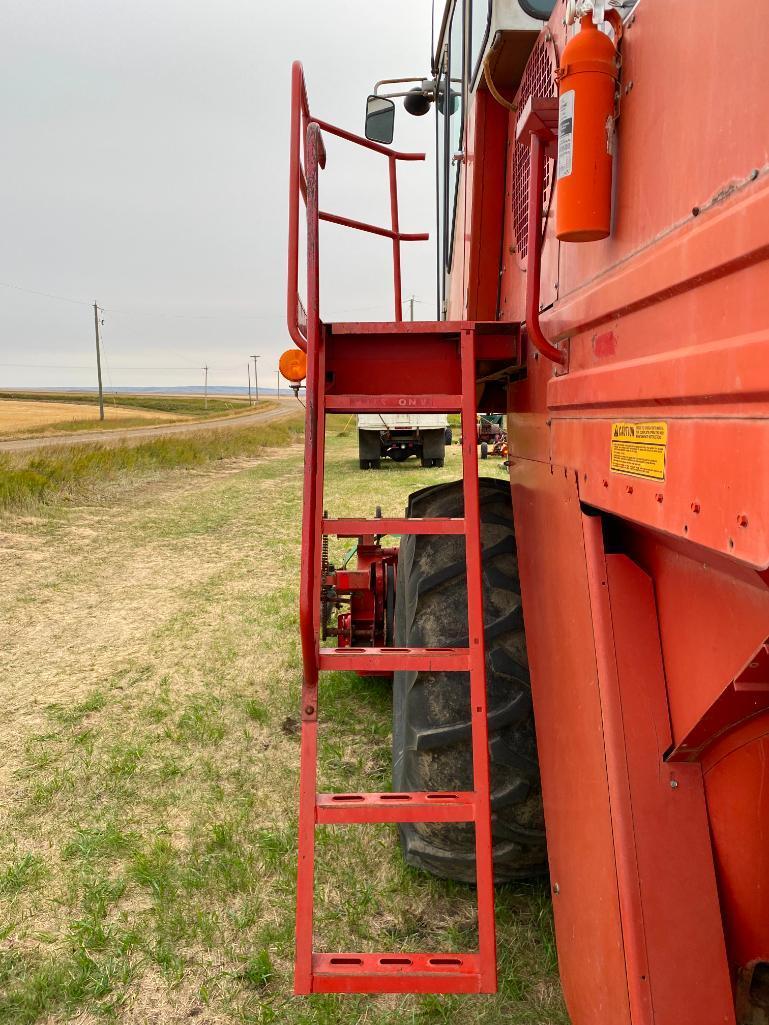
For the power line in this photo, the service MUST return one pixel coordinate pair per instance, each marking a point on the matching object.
(48, 295)
(76, 366)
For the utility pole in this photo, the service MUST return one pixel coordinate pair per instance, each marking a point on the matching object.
(98, 360)
(248, 368)
(205, 388)
(256, 381)
(411, 303)
(278, 384)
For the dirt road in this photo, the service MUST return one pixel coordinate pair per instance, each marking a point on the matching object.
(135, 435)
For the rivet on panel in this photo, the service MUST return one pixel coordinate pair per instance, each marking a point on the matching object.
(695, 507)
(659, 497)
(605, 483)
(629, 488)
(674, 784)
(742, 520)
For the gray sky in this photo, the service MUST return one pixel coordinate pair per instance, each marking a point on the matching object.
(144, 165)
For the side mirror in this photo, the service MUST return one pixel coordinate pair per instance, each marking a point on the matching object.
(380, 120)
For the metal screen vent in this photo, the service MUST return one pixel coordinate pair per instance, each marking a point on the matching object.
(538, 80)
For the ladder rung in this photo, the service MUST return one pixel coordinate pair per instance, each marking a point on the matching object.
(393, 525)
(396, 973)
(393, 403)
(389, 660)
(422, 806)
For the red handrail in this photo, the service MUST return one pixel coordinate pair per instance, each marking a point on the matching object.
(297, 188)
(537, 156)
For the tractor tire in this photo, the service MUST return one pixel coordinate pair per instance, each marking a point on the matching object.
(431, 710)
(484, 450)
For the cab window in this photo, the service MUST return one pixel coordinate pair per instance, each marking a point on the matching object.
(453, 103)
(479, 30)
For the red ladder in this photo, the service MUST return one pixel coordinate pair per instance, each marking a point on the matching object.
(391, 361)
(346, 972)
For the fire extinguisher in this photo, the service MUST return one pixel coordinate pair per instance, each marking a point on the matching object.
(587, 81)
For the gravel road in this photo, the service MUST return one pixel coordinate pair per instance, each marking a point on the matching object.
(135, 435)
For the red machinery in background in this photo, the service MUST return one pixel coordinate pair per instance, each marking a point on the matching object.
(634, 369)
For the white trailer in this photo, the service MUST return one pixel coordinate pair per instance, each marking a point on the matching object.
(400, 435)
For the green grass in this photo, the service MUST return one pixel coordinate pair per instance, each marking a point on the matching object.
(50, 475)
(148, 853)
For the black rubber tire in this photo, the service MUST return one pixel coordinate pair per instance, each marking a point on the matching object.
(484, 450)
(364, 464)
(431, 727)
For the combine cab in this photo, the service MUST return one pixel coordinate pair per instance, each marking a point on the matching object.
(603, 229)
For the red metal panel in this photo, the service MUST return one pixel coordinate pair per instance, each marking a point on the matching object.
(737, 785)
(485, 168)
(402, 403)
(665, 863)
(393, 525)
(409, 807)
(714, 492)
(388, 660)
(678, 65)
(559, 633)
(397, 973)
(713, 616)
(403, 363)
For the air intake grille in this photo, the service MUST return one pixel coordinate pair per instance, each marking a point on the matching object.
(537, 80)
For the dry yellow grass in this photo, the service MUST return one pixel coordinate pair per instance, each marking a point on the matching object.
(17, 416)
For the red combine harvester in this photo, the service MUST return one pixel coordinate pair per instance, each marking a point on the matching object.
(603, 237)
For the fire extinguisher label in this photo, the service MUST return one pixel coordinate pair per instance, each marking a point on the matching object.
(565, 133)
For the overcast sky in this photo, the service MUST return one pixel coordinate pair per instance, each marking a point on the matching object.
(144, 165)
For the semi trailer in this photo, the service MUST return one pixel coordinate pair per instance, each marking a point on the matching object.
(579, 653)
(397, 436)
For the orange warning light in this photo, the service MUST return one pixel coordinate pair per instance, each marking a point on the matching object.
(293, 365)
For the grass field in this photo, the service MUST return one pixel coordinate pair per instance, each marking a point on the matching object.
(150, 683)
(56, 474)
(25, 414)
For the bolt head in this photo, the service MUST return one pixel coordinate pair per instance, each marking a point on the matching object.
(674, 784)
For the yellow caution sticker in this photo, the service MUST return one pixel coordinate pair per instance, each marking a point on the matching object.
(640, 449)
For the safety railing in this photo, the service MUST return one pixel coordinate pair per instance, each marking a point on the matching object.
(299, 171)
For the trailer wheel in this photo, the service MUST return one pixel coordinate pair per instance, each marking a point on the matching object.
(484, 450)
(431, 713)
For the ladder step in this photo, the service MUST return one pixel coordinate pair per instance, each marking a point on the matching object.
(393, 403)
(393, 525)
(422, 806)
(388, 660)
(396, 973)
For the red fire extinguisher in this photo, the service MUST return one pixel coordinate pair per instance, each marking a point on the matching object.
(586, 110)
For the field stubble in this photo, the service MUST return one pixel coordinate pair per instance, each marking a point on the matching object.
(150, 690)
